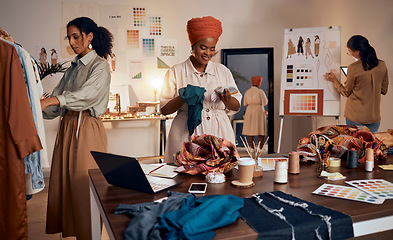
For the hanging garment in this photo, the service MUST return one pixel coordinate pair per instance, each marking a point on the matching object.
(33, 162)
(19, 139)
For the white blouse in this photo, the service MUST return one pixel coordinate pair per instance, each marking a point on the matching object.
(214, 114)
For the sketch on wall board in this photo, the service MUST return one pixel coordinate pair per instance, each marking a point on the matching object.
(308, 54)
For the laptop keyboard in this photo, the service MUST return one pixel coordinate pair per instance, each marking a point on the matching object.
(158, 183)
(158, 186)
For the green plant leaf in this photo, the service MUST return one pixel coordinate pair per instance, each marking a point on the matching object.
(45, 69)
(237, 75)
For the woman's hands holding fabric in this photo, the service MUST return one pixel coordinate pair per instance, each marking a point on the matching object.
(230, 102)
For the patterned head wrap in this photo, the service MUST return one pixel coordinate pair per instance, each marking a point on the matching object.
(201, 28)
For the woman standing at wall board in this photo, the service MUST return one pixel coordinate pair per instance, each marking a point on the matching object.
(255, 116)
(201, 76)
(367, 79)
(81, 96)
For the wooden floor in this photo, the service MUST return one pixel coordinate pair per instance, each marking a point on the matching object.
(36, 216)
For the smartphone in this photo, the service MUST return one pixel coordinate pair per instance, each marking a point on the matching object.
(197, 188)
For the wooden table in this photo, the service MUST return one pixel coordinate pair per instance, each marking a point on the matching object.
(367, 218)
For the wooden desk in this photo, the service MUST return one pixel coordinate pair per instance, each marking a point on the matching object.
(367, 218)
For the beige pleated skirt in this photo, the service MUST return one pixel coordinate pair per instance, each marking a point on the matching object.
(68, 198)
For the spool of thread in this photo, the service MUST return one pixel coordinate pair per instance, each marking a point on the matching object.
(334, 165)
(369, 160)
(293, 163)
(352, 160)
(281, 171)
(369, 154)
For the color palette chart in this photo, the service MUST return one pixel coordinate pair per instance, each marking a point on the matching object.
(289, 75)
(139, 16)
(349, 193)
(306, 103)
(304, 77)
(148, 47)
(155, 25)
(377, 187)
(133, 38)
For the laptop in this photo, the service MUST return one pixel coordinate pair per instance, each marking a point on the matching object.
(126, 172)
(344, 69)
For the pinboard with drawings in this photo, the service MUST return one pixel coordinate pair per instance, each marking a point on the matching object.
(308, 54)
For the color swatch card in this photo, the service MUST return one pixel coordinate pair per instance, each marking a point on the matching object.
(139, 16)
(377, 187)
(349, 193)
(303, 102)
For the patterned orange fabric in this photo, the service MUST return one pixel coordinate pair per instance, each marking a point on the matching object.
(206, 153)
(342, 137)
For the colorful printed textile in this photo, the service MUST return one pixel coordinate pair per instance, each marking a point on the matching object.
(206, 153)
(342, 138)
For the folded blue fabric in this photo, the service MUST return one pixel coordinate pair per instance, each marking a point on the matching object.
(181, 216)
(144, 215)
(196, 219)
(193, 96)
(277, 215)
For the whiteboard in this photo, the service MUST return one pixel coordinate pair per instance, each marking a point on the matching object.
(304, 65)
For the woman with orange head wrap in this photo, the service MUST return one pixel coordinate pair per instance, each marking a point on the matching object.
(194, 75)
(255, 116)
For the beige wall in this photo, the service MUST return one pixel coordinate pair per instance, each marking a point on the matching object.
(246, 23)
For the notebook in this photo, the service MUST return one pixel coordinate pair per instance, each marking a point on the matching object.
(160, 170)
(126, 172)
